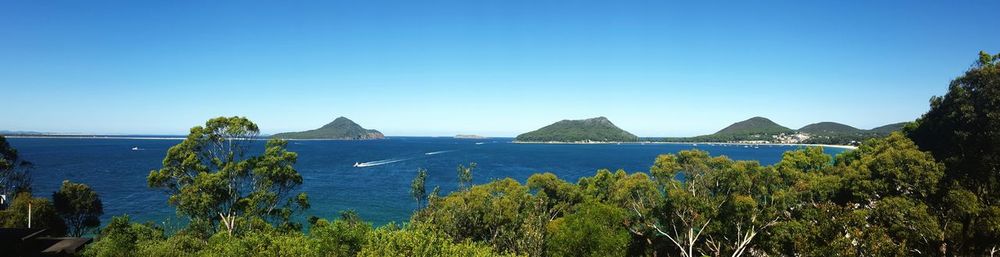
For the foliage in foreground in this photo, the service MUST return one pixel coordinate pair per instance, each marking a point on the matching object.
(871, 201)
(79, 206)
(74, 209)
(212, 178)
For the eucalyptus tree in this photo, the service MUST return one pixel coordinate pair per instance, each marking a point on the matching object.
(79, 206)
(212, 176)
(26, 211)
(15, 176)
(465, 175)
(961, 130)
(503, 214)
(418, 187)
(889, 183)
(635, 193)
(593, 230)
(560, 197)
(712, 205)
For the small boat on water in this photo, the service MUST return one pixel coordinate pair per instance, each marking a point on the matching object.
(479, 143)
(135, 148)
(357, 164)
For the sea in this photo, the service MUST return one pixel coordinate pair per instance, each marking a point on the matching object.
(116, 167)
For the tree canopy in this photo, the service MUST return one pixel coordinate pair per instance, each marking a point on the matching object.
(15, 176)
(960, 130)
(212, 176)
(79, 206)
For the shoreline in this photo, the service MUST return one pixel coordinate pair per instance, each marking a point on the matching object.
(849, 147)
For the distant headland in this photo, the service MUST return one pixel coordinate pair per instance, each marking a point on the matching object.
(339, 129)
(762, 130)
(756, 130)
(598, 129)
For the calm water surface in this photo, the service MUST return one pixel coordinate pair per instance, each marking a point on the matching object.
(379, 193)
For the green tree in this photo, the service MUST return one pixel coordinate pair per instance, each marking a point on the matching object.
(808, 159)
(634, 192)
(891, 166)
(891, 181)
(813, 225)
(212, 178)
(465, 175)
(593, 230)
(31, 212)
(714, 205)
(122, 238)
(559, 196)
(872, 202)
(15, 173)
(420, 242)
(960, 130)
(79, 206)
(342, 237)
(501, 213)
(418, 188)
(689, 204)
(267, 242)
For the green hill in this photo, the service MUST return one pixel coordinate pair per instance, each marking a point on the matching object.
(763, 129)
(835, 133)
(754, 126)
(829, 128)
(598, 129)
(887, 129)
(341, 128)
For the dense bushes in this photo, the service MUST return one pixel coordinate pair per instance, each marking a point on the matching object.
(43, 215)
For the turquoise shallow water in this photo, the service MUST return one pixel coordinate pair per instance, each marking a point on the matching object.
(379, 193)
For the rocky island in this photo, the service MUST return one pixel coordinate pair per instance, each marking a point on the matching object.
(340, 129)
(594, 130)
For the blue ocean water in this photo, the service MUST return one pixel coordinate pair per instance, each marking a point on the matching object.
(379, 193)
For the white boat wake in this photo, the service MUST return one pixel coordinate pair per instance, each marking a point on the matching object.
(377, 163)
(439, 152)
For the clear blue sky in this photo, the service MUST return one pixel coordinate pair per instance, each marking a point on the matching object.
(493, 68)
